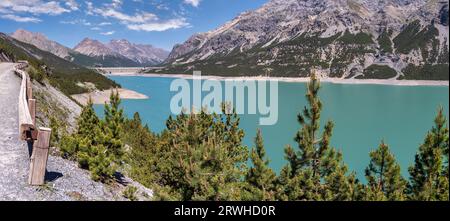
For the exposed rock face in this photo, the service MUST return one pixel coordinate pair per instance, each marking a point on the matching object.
(143, 54)
(342, 38)
(42, 42)
(92, 47)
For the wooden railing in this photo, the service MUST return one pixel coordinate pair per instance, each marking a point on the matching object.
(39, 138)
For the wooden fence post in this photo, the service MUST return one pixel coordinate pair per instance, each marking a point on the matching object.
(39, 157)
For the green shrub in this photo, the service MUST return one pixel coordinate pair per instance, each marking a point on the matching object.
(130, 193)
(68, 146)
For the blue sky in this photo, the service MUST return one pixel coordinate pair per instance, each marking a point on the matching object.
(161, 23)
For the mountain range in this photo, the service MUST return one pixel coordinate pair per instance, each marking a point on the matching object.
(91, 52)
(361, 39)
(61, 73)
(393, 39)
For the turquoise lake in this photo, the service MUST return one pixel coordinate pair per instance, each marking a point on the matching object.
(363, 116)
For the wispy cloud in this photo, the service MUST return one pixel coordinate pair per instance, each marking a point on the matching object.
(108, 33)
(20, 18)
(105, 23)
(140, 20)
(96, 28)
(140, 17)
(89, 8)
(194, 3)
(36, 6)
(77, 22)
(159, 26)
(72, 4)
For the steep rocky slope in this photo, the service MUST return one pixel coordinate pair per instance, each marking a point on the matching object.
(41, 42)
(403, 39)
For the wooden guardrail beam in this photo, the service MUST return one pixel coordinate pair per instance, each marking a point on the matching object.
(27, 129)
(26, 124)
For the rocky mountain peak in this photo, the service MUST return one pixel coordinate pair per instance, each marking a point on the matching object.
(93, 47)
(42, 42)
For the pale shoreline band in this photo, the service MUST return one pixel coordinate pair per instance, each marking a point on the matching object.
(102, 97)
(292, 79)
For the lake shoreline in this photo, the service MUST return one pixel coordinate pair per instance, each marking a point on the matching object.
(102, 97)
(298, 80)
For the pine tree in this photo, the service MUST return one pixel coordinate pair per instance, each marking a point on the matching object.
(144, 155)
(88, 145)
(113, 127)
(205, 157)
(88, 121)
(316, 170)
(429, 175)
(260, 177)
(383, 176)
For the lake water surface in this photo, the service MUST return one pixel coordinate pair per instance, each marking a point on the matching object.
(363, 116)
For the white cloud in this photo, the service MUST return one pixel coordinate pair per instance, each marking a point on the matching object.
(34, 7)
(108, 33)
(140, 17)
(104, 23)
(159, 26)
(194, 3)
(77, 22)
(90, 8)
(116, 3)
(72, 4)
(20, 19)
(95, 28)
(139, 21)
